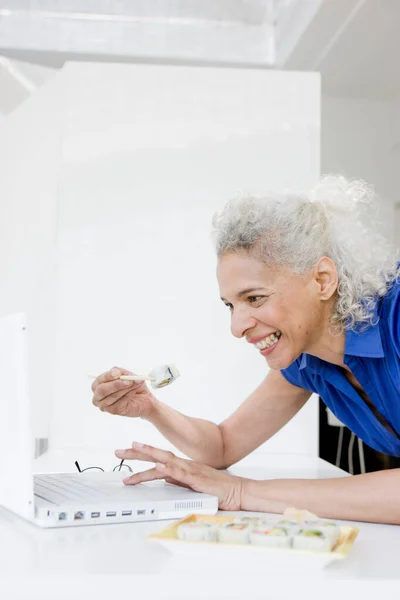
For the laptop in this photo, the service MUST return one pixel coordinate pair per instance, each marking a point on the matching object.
(68, 499)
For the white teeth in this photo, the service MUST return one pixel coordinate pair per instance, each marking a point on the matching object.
(269, 341)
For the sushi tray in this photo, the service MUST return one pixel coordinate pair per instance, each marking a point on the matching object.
(313, 541)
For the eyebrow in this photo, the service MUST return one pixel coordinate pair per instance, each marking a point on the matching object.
(244, 293)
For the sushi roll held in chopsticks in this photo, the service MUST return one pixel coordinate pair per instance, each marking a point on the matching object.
(234, 533)
(273, 537)
(198, 532)
(312, 539)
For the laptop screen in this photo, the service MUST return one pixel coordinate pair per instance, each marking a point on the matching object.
(16, 438)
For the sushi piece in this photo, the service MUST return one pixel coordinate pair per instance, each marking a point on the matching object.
(198, 532)
(312, 539)
(266, 523)
(234, 533)
(246, 520)
(329, 528)
(299, 515)
(273, 537)
(250, 521)
(290, 525)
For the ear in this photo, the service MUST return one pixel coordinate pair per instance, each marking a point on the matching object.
(326, 276)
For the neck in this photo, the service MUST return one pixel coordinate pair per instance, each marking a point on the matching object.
(328, 347)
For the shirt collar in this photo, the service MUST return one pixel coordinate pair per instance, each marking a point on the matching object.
(367, 342)
(359, 342)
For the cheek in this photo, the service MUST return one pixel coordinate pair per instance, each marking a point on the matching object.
(271, 315)
(296, 322)
(307, 322)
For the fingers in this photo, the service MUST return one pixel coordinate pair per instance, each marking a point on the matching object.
(110, 375)
(104, 402)
(108, 388)
(185, 473)
(149, 454)
(168, 466)
(149, 475)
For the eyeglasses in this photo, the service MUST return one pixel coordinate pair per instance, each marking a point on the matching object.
(116, 468)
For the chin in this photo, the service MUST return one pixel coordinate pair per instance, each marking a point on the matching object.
(278, 365)
(279, 362)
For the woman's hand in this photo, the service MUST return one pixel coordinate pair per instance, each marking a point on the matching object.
(120, 397)
(186, 473)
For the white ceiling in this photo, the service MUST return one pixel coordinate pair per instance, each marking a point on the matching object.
(366, 59)
(18, 79)
(355, 44)
(358, 54)
(47, 33)
(214, 31)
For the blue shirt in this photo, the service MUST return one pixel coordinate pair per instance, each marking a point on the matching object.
(373, 356)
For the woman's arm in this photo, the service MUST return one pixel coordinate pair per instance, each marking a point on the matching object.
(373, 497)
(263, 413)
(259, 417)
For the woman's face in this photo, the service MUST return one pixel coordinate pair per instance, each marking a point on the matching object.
(279, 312)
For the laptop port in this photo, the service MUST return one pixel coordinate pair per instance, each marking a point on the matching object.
(141, 512)
(95, 515)
(62, 516)
(79, 515)
(111, 514)
(126, 513)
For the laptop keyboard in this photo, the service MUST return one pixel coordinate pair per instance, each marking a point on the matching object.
(61, 488)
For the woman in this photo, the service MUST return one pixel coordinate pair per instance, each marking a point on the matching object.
(312, 285)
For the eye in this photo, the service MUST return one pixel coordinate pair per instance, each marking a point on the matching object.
(253, 299)
(229, 305)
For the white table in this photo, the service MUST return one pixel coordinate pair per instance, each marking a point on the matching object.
(100, 561)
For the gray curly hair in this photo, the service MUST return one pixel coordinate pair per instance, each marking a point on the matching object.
(294, 230)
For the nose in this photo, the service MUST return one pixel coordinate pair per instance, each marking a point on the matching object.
(241, 321)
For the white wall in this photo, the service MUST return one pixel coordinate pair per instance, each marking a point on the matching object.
(396, 155)
(30, 154)
(147, 154)
(358, 136)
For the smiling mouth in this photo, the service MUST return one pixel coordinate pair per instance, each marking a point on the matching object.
(269, 341)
